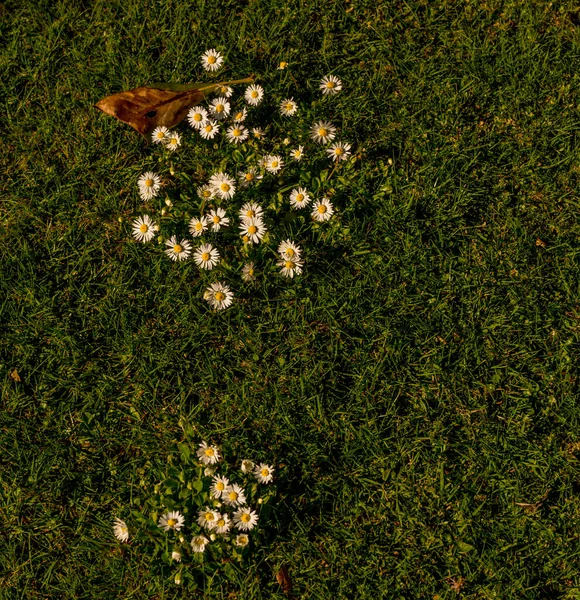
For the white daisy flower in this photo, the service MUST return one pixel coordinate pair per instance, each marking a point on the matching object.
(339, 151)
(212, 60)
(197, 226)
(253, 230)
(323, 132)
(158, 135)
(330, 84)
(288, 107)
(322, 210)
(217, 219)
(251, 210)
(223, 185)
(242, 540)
(223, 524)
(289, 250)
(208, 455)
(290, 267)
(245, 519)
(205, 192)
(264, 473)
(237, 134)
(299, 198)
(249, 177)
(177, 250)
(207, 518)
(240, 115)
(234, 495)
(171, 520)
(149, 185)
(144, 229)
(254, 94)
(209, 130)
(172, 141)
(297, 153)
(249, 272)
(197, 117)
(225, 90)
(121, 530)
(219, 108)
(247, 466)
(258, 133)
(198, 543)
(218, 295)
(272, 163)
(176, 556)
(206, 257)
(218, 487)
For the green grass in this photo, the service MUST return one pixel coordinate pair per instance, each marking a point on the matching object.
(417, 389)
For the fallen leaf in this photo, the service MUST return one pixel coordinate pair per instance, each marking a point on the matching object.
(14, 375)
(159, 104)
(283, 578)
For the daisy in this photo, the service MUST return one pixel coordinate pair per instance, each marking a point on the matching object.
(219, 108)
(144, 229)
(290, 267)
(209, 471)
(223, 524)
(289, 250)
(240, 115)
(237, 134)
(253, 230)
(297, 153)
(149, 185)
(264, 473)
(223, 185)
(247, 178)
(198, 543)
(209, 130)
(208, 455)
(207, 518)
(245, 519)
(242, 540)
(299, 198)
(254, 94)
(176, 556)
(225, 90)
(272, 163)
(218, 486)
(282, 66)
(158, 135)
(339, 151)
(197, 226)
(330, 84)
(120, 530)
(218, 295)
(247, 466)
(258, 133)
(171, 520)
(251, 210)
(217, 218)
(177, 250)
(248, 274)
(288, 107)
(323, 132)
(197, 117)
(234, 495)
(206, 257)
(173, 141)
(212, 60)
(322, 210)
(205, 192)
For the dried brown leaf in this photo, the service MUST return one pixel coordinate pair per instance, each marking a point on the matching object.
(283, 578)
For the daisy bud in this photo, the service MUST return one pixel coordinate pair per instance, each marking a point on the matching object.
(172, 171)
(212, 537)
(260, 500)
(157, 488)
(178, 579)
(120, 219)
(283, 65)
(168, 202)
(163, 212)
(181, 539)
(286, 141)
(208, 471)
(155, 227)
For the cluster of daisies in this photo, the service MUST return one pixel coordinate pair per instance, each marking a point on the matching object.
(226, 517)
(219, 196)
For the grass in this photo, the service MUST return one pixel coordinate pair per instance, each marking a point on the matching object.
(417, 389)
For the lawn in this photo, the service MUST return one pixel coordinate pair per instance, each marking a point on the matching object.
(416, 388)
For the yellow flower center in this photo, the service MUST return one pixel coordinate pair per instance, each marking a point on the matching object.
(289, 265)
(237, 132)
(283, 65)
(197, 117)
(221, 523)
(206, 194)
(219, 108)
(160, 135)
(239, 116)
(173, 141)
(208, 516)
(225, 187)
(216, 219)
(178, 249)
(143, 228)
(338, 151)
(289, 106)
(198, 226)
(254, 94)
(322, 132)
(220, 486)
(251, 272)
(265, 472)
(330, 84)
(233, 496)
(249, 177)
(208, 451)
(252, 229)
(250, 214)
(246, 239)
(297, 153)
(171, 522)
(289, 252)
(274, 164)
(149, 182)
(205, 258)
(211, 60)
(299, 197)
(245, 518)
(219, 296)
(209, 128)
(322, 209)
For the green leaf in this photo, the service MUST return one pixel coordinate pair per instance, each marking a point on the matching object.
(198, 485)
